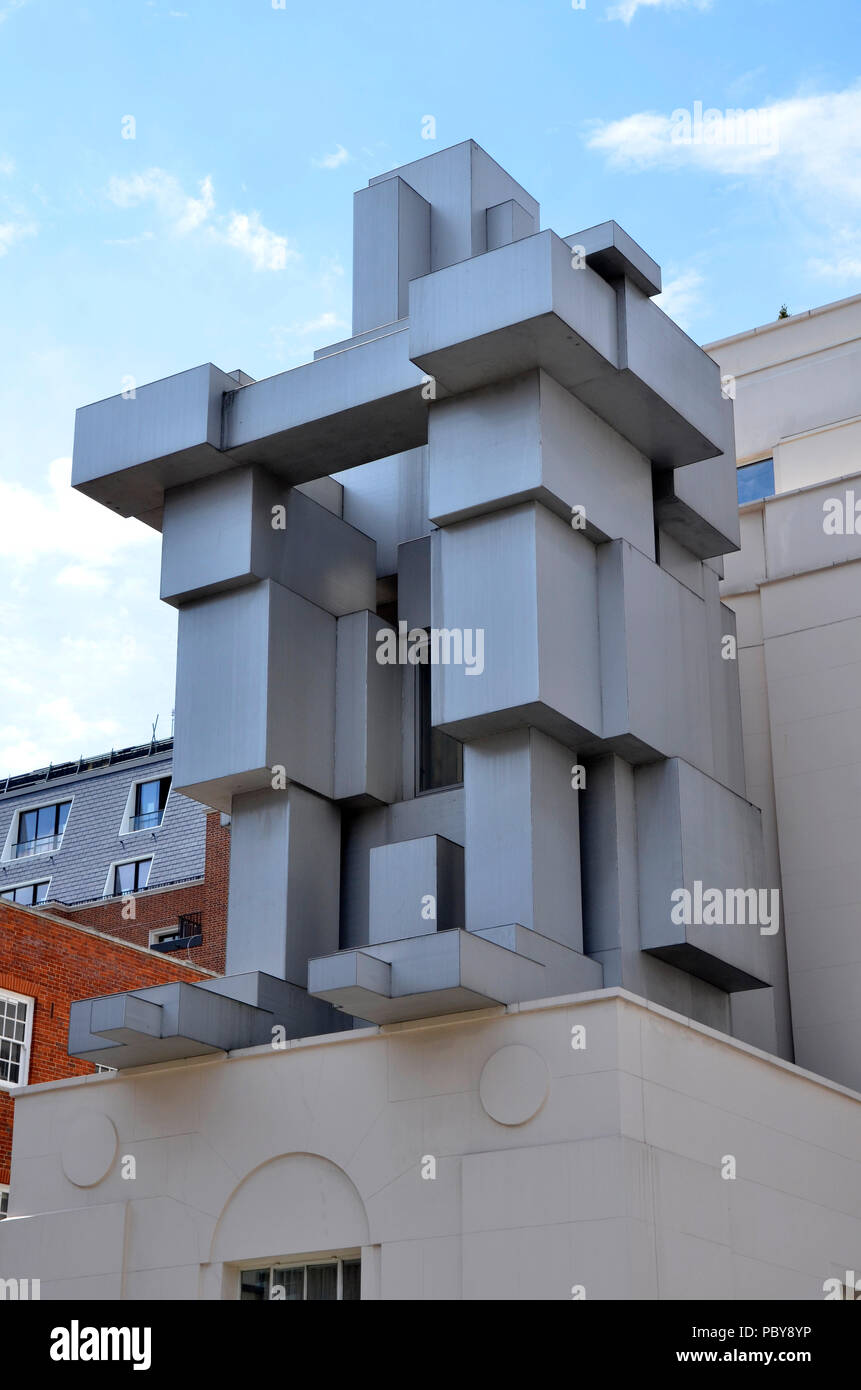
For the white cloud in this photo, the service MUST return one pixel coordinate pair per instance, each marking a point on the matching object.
(626, 9)
(88, 651)
(803, 151)
(811, 143)
(264, 249)
(60, 523)
(681, 296)
(184, 214)
(12, 232)
(7, 165)
(333, 161)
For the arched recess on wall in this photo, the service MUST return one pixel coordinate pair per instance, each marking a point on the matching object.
(296, 1203)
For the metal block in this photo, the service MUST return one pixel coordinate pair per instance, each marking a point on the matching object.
(391, 246)
(522, 837)
(460, 183)
(367, 716)
(442, 973)
(520, 307)
(332, 414)
(609, 249)
(231, 530)
(255, 693)
(528, 583)
(507, 222)
(654, 662)
(692, 830)
(132, 446)
(284, 882)
(416, 886)
(530, 439)
(698, 505)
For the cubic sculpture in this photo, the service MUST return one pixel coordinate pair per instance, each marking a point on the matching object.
(515, 442)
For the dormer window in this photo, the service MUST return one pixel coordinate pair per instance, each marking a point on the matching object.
(41, 830)
(150, 799)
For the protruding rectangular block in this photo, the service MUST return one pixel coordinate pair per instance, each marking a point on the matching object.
(530, 439)
(285, 850)
(391, 246)
(609, 249)
(416, 886)
(234, 529)
(440, 973)
(507, 222)
(255, 693)
(692, 831)
(654, 661)
(367, 716)
(527, 583)
(129, 448)
(673, 409)
(522, 836)
(698, 505)
(514, 309)
(460, 183)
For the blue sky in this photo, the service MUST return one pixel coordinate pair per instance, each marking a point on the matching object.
(221, 232)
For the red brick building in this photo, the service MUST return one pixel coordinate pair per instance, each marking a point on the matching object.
(198, 909)
(46, 962)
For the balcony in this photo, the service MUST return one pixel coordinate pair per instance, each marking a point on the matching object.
(149, 820)
(188, 932)
(46, 844)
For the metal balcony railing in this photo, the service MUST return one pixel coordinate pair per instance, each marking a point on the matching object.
(149, 820)
(43, 845)
(189, 932)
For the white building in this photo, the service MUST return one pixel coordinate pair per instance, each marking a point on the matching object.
(795, 587)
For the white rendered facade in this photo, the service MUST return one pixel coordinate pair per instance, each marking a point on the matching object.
(795, 587)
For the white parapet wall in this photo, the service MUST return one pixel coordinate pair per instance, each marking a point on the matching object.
(588, 1146)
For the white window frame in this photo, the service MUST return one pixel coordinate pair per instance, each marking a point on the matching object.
(33, 883)
(9, 856)
(129, 812)
(4, 1187)
(108, 891)
(158, 934)
(304, 1262)
(28, 1038)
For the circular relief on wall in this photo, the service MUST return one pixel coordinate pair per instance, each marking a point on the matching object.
(88, 1149)
(514, 1084)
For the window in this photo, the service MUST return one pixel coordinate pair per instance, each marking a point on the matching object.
(150, 799)
(28, 894)
(16, 1025)
(4, 1201)
(755, 480)
(186, 931)
(41, 830)
(440, 757)
(107, 1070)
(321, 1282)
(128, 878)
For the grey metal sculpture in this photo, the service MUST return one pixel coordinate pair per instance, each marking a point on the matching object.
(521, 424)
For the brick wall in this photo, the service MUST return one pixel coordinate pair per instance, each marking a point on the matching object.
(55, 961)
(161, 907)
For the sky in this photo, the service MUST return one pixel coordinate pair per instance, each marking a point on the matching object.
(176, 188)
